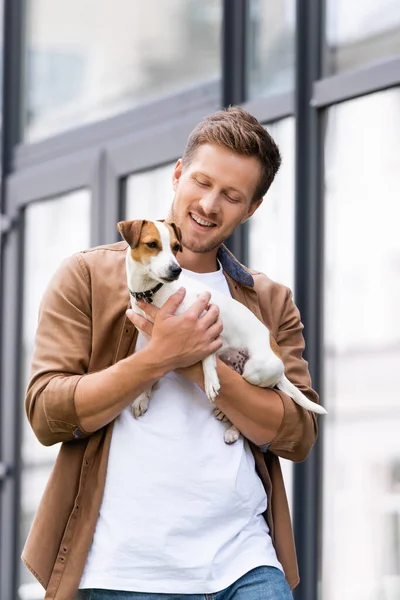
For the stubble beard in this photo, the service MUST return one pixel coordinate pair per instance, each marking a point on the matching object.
(194, 246)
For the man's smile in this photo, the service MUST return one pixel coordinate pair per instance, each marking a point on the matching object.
(200, 221)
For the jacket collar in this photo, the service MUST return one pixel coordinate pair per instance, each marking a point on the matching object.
(233, 267)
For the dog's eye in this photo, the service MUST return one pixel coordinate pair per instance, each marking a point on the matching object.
(152, 244)
(176, 248)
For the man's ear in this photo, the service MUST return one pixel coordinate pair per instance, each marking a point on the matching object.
(252, 210)
(176, 174)
(131, 231)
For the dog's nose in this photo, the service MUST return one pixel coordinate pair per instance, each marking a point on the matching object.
(174, 271)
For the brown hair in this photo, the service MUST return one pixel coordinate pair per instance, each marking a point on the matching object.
(237, 130)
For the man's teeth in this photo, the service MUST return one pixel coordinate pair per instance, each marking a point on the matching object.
(201, 222)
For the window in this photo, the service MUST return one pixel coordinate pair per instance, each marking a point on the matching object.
(361, 32)
(271, 47)
(362, 348)
(149, 195)
(54, 229)
(90, 60)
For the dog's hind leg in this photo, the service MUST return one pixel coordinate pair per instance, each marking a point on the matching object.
(211, 381)
(141, 403)
(231, 435)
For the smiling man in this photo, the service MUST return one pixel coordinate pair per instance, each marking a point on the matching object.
(161, 507)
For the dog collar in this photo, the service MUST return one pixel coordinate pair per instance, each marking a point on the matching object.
(147, 295)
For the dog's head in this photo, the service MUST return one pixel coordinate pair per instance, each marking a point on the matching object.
(154, 246)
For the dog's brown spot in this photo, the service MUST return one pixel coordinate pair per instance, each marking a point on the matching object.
(131, 231)
(144, 238)
(148, 245)
(274, 347)
(175, 235)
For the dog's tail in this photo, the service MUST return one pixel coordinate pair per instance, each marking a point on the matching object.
(291, 390)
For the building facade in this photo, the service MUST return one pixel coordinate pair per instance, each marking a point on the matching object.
(98, 98)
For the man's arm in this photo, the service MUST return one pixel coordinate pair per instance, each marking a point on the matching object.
(64, 402)
(176, 341)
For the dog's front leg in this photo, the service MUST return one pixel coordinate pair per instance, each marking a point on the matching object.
(211, 381)
(141, 403)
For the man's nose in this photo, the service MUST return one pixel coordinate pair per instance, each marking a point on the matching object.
(210, 203)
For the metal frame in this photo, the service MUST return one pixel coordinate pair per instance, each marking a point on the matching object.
(234, 43)
(308, 279)
(353, 84)
(13, 23)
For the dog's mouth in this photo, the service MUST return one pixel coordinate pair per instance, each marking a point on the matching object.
(171, 275)
(168, 279)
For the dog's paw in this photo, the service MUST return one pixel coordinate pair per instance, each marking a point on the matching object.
(212, 387)
(141, 404)
(231, 435)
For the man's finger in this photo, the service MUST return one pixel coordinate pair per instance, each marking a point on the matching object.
(171, 305)
(199, 305)
(210, 316)
(140, 322)
(147, 308)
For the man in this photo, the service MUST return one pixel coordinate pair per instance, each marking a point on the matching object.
(161, 506)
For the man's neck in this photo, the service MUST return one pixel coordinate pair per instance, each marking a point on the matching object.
(197, 262)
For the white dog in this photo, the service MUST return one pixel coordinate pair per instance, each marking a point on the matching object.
(152, 274)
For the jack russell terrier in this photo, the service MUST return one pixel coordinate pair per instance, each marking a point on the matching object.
(152, 273)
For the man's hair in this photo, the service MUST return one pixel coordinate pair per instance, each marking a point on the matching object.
(237, 130)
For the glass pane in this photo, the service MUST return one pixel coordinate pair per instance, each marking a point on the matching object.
(90, 60)
(362, 350)
(54, 229)
(361, 32)
(271, 232)
(149, 194)
(271, 47)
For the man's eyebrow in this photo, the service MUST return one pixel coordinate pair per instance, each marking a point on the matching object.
(226, 188)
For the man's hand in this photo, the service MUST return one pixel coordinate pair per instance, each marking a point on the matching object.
(180, 340)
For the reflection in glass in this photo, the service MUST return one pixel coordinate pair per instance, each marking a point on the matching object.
(271, 231)
(270, 47)
(93, 59)
(54, 229)
(362, 350)
(149, 194)
(359, 33)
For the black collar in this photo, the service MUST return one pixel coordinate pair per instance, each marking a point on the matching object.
(147, 295)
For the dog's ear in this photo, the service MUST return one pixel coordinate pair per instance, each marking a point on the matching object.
(131, 230)
(177, 231)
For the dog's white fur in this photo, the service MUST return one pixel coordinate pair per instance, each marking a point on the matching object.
(241, 329)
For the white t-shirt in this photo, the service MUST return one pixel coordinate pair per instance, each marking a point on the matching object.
(181, 511)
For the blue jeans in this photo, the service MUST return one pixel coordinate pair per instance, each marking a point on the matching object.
(262, 583)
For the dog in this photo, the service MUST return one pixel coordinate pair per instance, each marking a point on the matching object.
(153, 271)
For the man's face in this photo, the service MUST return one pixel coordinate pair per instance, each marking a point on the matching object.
(213, 195)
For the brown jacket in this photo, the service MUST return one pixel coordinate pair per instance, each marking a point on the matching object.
(83, 328)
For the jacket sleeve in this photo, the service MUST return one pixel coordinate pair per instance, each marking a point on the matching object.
(298, 431)
(61, 354)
